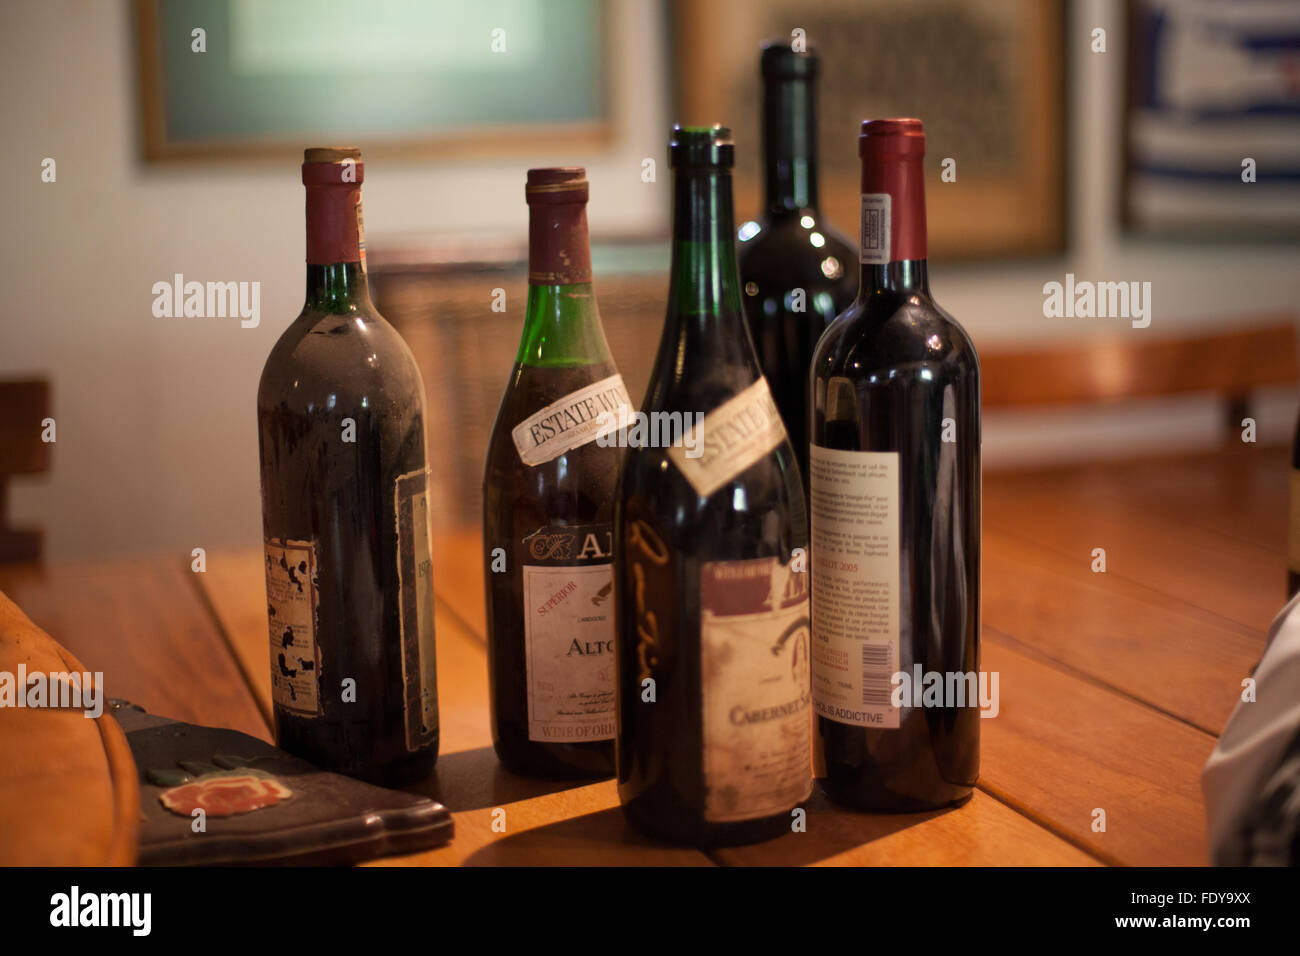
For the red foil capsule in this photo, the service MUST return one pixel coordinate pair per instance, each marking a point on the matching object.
(892, 151)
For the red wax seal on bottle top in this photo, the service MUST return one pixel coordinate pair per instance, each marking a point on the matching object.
(559, 252)
(335, 230)
(892, 151)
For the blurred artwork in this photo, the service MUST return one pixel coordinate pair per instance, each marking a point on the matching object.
(408, 77)
(987, 77)
(1213, 125)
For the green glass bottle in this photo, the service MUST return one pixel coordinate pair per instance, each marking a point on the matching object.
(340, 414)
(548, 489)
(711, 536)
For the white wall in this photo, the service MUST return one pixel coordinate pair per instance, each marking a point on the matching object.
(156, 418)
(156, 429)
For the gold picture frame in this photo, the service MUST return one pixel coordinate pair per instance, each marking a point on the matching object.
(986, 76)
(160, 142)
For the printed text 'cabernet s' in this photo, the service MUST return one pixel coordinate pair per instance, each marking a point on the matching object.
(712, 604)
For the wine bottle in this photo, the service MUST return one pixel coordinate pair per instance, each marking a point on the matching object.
(548, 490)
(1293, 536)
(340, 414)
(710, 533)
(895, 501)
(795, 268)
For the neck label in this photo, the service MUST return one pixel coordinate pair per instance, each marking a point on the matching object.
(874, 247)
(572, 421)
(734, 436)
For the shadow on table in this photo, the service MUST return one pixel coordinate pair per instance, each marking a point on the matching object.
(592, 839)
(832, 830)
(475, 779)
(604, 838)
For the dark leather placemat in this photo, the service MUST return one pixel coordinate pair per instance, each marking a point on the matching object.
(326, 819)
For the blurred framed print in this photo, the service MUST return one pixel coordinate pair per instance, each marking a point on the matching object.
(1212, 125)
(987, 77)
(243, 77)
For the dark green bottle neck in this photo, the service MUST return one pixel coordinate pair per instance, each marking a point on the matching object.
(705, 282)
(338, 288)
(562, 327)
(790, 143)
(901, 277)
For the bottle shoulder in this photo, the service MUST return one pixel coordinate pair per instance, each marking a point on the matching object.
(355, 355)
(893, 330)
(803, 233)
(554, 401)
(788, 256)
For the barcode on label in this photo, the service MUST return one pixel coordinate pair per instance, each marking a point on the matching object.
(874, 249)
(876, 687)
(871, 237)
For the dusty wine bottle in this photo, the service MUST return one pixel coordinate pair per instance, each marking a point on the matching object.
(895, 502)
(1293, 522)
(795, 268)
(710, 533)
(345, 518)
(548, 488)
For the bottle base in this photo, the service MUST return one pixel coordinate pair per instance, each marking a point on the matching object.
(704, 835)
(557, 762)
(881, 800)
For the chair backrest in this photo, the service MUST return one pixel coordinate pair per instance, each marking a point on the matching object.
(1114, 368)
(24, 405)
(466, 351)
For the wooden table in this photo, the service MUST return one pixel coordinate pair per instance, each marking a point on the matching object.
(1113, 685)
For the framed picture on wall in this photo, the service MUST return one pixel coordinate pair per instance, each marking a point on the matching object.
(1212, 126)
(987, 77)
(223, 78)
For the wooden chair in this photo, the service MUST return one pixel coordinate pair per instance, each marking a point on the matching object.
(23, 406)
(466, 352)
(1231, 364)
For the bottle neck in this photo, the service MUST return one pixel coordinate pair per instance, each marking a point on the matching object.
(901, 277)
(559, 248)
(561, 322)
(338, 287)
(893, 252)
(705, 283)
(562, 327)
(336, 249)
(790, 143)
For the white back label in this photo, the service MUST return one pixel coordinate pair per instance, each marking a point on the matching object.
(855, 582)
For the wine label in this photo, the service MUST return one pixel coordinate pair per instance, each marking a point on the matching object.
(568, 588)
(1293, 541)
(361, 235)
(572, 421)
(291, 605)
(733, 437)
(855, 585)
(874, 247)
(754, 643)
(415, 614)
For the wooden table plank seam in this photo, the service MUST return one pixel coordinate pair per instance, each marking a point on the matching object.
(228, 642)
(1046, 823)
(1110, 572)
(1030, 650)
